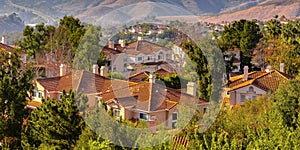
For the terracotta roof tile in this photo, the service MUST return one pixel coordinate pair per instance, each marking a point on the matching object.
(142, 76)
(267, 81)
(150, 97)
(6, 47)
(143, 46)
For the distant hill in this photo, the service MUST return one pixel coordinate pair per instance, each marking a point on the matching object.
(87, 10)
(99, 11)
(11, 23)
(265, 11)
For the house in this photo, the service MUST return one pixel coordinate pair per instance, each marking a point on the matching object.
(81, 81)
(254, 84)
(151, 102)
(123, 57)
(7, 48)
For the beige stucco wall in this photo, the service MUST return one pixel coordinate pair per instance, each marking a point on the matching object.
(235, 96)
(40, 88)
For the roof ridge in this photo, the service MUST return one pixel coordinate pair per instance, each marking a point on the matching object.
(239, 77)
(80, 79)
(138, 74)
(264, 74)
(150, 96)
(280, 73)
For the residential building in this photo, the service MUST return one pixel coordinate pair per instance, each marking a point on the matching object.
(148, 101)
(124, 57)
(254, 84)
(151, 102)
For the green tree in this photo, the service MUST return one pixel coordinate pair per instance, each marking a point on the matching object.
(15, 86)
(88, 52)
(74, 30)
(287, 102)
(243, 35)
(201, 67)
(55, 123)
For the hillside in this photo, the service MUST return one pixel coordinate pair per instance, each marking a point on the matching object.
(52, 10)
(264, 11)
(11, 23)
(119, 11)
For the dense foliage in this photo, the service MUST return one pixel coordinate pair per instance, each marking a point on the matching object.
(55, 123)
(15, 85)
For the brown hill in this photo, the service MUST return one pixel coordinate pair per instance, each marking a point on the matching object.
(290, 9)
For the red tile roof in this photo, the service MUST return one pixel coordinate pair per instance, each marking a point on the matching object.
(7, 48)
(149, 97)
(267, 81)
(142, 76)
(143, 46)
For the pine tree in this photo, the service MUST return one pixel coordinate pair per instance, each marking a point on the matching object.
(55, 123)
(15, 86)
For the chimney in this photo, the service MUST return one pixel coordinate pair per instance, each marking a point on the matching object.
(269, 68)
(139, 69)
(122, 43)
(282, 67)
(246, 69)
(95, 69)
(111, 44)
(62, 70)
(3, 40)
(191, 88)
(151, 78)
(140, 38)
(103, 71)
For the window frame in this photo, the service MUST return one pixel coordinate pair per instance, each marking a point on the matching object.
(174, 121)
(140, 58)
(40, 94)
(141, 118)
(117, 111)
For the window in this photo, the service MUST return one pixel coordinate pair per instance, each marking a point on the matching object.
(117, 113)
(114, 68)
(160, 56)
(150, 58)
(143, 116)
(40, 95)
(140, 58)
(243, 97)
(34, 93)
(174, 116)
(251, 89)
(60, 97)
(174, 119)
(125, 67)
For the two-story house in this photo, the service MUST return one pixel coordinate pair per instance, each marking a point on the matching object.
(124, 57)
(147, 101)
(254, 84)
(151, 102)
